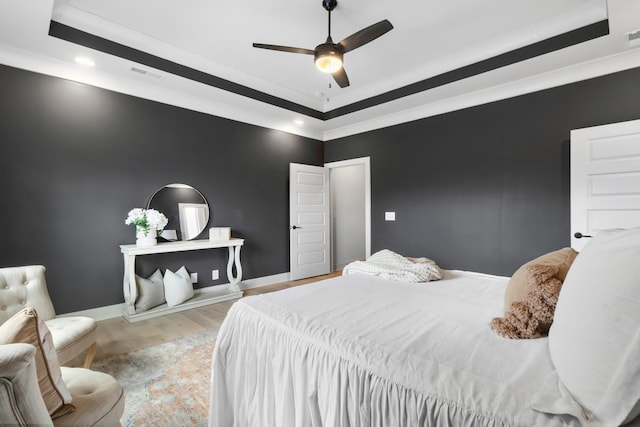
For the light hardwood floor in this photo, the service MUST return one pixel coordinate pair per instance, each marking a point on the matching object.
(118, 336)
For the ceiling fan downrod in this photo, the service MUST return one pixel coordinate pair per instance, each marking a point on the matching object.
(329, 5)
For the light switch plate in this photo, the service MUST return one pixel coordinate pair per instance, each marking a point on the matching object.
(194, 277)
(215, 275)
(389, 216)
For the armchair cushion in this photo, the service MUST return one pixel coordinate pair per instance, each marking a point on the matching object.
(97, 397)
(72, 335)
(26, 327)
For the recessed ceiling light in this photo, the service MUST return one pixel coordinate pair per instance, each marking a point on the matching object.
(83, 60)
(299, 122)
(145, 72)
(634, 38)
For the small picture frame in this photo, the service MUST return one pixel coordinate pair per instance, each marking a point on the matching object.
(219, 233)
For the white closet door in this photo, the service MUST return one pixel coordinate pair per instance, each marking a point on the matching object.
(605, 179)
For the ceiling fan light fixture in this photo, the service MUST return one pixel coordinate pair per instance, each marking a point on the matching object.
(328, 63)
(328, 58)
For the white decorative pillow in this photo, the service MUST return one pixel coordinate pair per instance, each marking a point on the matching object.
(177, 289)
(182, 272)
(594, 341)
(150, 291)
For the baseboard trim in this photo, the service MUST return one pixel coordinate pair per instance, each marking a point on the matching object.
(116, 310)
(265, 281)
(99, 313)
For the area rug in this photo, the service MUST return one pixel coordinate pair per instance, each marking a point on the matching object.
(166, 384)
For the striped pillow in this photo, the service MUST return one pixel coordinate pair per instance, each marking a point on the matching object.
(26, 327)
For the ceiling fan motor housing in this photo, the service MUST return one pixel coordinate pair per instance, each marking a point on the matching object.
(328, 49)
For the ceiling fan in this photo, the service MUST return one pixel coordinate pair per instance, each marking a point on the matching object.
(328, 55)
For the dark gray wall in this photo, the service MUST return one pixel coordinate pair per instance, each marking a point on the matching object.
(485, 188)
(482, 189)
(74, 159)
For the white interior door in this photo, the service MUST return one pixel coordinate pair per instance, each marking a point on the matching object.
(605, 179)
(309, 216)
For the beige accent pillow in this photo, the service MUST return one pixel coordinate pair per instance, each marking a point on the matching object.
(150, 292)
(519, 287)
(26, 327)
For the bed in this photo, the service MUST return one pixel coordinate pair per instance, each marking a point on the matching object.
(360, 350)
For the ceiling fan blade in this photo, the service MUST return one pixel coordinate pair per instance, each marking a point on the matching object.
(365, 35)
(341, 78)
(284, 48)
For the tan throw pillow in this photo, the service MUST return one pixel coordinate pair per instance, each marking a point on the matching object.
(532, 317)
(518, 287)
(26, 327)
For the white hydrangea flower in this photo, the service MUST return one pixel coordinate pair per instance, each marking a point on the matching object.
(135, 215)
(156, 219)
(146, 218)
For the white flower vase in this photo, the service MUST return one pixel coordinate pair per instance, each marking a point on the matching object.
(146, 237)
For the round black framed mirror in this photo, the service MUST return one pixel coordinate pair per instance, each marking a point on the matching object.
(186, 209)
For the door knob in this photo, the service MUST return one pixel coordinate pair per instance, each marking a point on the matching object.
(295, 227)
(579, 235)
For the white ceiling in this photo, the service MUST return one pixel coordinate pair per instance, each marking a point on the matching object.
(429, 38)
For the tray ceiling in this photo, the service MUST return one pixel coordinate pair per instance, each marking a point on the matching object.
(393, 78)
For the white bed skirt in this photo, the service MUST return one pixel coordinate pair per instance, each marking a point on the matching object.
(287, 382)
(273, 366)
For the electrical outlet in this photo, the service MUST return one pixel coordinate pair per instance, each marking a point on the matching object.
(215, 275)
(194, 277)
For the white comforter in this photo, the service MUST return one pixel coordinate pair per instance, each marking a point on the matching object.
(362, 351)
(392, 266)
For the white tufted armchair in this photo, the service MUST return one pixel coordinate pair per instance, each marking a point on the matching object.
(22, 287)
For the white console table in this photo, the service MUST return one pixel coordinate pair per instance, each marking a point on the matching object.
(204, 296)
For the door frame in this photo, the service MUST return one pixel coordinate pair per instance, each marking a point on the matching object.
(366, 162)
